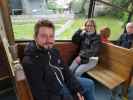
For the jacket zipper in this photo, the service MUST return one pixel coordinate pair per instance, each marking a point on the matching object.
(55, 73)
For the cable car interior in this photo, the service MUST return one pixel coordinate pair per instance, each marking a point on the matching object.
(113, 78)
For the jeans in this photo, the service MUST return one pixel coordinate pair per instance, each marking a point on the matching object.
(78, 70)
(87, 85)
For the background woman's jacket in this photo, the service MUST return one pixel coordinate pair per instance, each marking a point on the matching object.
(89, 45)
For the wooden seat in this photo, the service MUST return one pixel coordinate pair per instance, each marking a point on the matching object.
(106, 77)
(114, 68)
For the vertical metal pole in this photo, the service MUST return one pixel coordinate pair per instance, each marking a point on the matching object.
(91, 8)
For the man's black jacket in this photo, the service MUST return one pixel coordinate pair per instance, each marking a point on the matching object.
(38, 67)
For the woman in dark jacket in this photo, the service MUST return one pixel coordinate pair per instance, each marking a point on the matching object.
(90, 44)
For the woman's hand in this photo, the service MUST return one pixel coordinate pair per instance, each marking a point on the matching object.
(78, 59)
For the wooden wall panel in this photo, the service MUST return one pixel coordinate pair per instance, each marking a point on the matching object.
(68, 50)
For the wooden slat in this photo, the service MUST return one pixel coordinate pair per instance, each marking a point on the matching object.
(68, 50)
(118, 59)
(22, 87)
(115, 52)
(106, 77)
(120, 69)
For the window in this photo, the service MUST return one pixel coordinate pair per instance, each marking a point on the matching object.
(68, 16)
(112, 17)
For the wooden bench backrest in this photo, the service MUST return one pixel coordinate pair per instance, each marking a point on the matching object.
(68, 50)
(117, 59)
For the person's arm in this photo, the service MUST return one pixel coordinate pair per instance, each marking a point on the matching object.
(70, 80)
(76, 38)
(35, 76)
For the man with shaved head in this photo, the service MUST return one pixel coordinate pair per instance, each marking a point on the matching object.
(126, 39)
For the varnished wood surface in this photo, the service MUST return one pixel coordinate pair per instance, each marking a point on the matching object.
(68, 50)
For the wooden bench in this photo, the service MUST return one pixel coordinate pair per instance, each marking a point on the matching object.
(68, 50)
(114, 68)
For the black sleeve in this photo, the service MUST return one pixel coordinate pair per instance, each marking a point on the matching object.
(70, 80)
(76, 38)
(34, 76)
